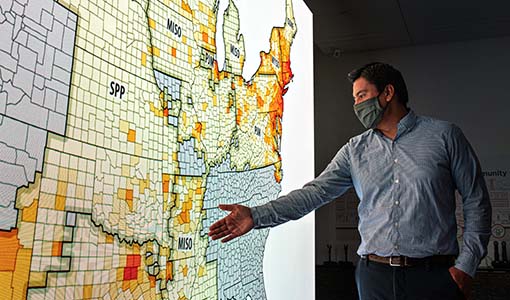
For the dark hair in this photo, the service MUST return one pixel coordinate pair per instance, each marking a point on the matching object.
(381, 74)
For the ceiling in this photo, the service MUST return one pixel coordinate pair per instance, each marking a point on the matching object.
(343, 26)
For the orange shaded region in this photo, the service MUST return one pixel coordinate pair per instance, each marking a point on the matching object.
(10, 246)
(129, 199)
(56, 249)
(239, 116)
(166, 183)
(185, 6)
(131, 137)
(169, 270)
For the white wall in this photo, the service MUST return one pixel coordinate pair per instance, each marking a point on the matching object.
(467, 83)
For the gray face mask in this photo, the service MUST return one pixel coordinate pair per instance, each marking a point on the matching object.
(369, 112)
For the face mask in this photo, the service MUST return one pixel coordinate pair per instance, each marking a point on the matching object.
(369, 112)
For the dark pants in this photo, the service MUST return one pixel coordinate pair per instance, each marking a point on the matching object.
(376, 281)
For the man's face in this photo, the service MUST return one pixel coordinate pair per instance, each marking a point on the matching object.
(363, 90)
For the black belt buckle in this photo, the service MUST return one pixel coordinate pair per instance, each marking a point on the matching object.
(402, 261)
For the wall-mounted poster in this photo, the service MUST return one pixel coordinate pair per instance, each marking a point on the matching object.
(123, 125)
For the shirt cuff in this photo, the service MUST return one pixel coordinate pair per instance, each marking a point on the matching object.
(467, 263)
(261, 217)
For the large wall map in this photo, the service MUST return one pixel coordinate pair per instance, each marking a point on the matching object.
(119, 136)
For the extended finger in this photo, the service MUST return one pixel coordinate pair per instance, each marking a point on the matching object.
(218, 224)
(227, 207)
(218, 230)
(230, 237)
(220, 234)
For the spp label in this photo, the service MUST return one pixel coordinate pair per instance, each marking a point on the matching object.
(117, 89)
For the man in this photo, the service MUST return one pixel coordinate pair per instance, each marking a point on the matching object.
(405, 169)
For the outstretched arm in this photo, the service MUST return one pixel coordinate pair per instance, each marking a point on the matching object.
(331, 183)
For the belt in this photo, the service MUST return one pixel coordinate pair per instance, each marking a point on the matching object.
(404, 261)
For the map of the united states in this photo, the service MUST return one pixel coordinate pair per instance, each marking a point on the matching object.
(119, 137)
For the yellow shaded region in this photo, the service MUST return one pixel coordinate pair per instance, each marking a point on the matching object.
(120, 274)
(201, 271)
(169, 270)
(184, 119)
(29, 214)
(60, 202)
(20, 279)
(155, 51)
(87, 291)
(5, 280)
(123, 126)
(37, 279)
(152, 23)
(109, 239)
(157, 112)
(61, 187)
(144, 59)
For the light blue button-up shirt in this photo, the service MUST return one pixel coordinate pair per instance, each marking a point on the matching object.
(406, 188)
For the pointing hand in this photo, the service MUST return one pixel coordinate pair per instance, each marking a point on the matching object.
(237, 223)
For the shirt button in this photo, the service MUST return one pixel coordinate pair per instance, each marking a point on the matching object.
(396, 160)
(396, 180)
(396, 247)
(396, 224)
(397, 202)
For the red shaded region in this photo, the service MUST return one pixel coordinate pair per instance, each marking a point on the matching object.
(286, 72)
(131, 269)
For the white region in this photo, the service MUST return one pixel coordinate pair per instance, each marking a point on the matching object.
(290, 248)
(289, 260)
(220, 43)
(257, 19)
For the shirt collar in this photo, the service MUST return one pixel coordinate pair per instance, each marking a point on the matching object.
(406, 123)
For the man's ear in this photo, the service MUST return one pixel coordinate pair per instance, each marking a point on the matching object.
(389, 92)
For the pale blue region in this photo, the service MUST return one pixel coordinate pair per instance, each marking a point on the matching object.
(36, 53)
(8, 216)
(173, 121)
(189, 162)
(172, 84)
(239, 262)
